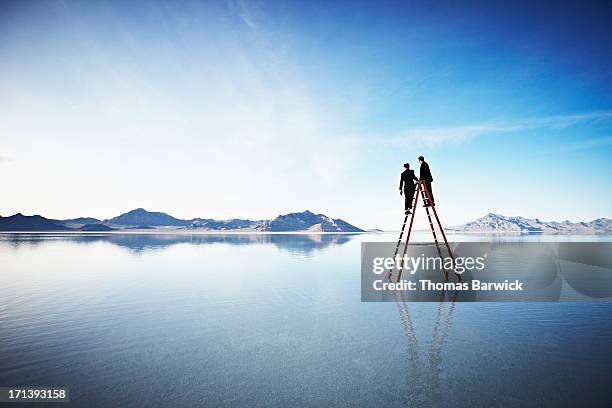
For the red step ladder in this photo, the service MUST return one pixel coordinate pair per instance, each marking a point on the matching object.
(424, 191)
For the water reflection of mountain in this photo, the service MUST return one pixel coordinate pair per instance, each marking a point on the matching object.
(301, 244)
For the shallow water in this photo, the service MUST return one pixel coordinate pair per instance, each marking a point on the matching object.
(275, 320)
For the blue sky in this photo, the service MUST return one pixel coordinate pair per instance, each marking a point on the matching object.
(251, 109)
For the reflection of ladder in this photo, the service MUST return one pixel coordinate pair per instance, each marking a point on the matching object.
(424, 191)
(427, 377)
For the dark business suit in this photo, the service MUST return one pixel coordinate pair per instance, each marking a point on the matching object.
(425, 175)
(407, 184)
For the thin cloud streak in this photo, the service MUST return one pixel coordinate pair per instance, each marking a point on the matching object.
(583, 145)
(436, 136)
(240, 9)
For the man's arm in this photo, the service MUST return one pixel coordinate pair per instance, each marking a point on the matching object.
(401, 182)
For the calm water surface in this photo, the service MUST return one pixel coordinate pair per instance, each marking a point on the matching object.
(275, 320)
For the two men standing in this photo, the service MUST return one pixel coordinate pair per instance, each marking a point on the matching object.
(407, 186)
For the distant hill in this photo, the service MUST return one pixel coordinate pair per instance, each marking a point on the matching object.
(223, 225)
(344, 226)
(82, 220)
(501, 223)
(96, 227)
(77, 223)
(139, 227)
(143, 218)
(20, 222)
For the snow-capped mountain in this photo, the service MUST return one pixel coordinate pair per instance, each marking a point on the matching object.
(307, 221)
(300, 221)
(501, 223)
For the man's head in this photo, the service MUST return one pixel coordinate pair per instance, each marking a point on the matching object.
(406, 165)
(421, 159)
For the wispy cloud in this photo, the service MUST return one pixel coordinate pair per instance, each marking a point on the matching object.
(239, 8)
(583, 145)
(436, 136)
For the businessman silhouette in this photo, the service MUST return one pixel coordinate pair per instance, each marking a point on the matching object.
(407, 186)
(425, 176)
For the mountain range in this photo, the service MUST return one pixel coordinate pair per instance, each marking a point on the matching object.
(501, 223)
(306, 221)
(143, 219)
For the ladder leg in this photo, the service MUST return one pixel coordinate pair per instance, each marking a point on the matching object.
(414, 207)
(399, 242)
(433, 232)
(443, 234)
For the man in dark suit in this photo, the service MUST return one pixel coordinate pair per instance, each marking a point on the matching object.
(425, 175)
(407, 186)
